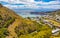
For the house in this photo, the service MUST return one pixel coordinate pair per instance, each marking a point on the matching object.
(55, 31)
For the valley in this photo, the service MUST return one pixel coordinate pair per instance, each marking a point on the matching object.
(14, 26)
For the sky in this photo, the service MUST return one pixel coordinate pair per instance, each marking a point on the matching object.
(31, 5)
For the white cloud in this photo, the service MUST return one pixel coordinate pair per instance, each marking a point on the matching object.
(54, 2)
(51, 6)
(22, 6)
(33, 7)
(48, 3)
(19, 1)
(32, 4)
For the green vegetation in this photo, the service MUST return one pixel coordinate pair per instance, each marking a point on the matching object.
(44, 33)
(3, 27)
(34, 30)
(13, 25)
(3, 32)
(5, 21)
(25, 28)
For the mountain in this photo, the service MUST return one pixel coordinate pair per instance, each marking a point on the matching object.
(57, 12)
(14, 26)
(8, 18)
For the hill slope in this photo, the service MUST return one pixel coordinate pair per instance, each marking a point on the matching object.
(57, 12)
(14, 26)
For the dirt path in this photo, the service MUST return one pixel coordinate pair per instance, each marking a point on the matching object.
(11, 29)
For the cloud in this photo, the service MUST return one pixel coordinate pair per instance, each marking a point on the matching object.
(19, 1)
(48, 3)
(32, 4)
(22, 6)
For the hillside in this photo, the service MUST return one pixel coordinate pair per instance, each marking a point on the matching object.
(14, 26)
(56, 12)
